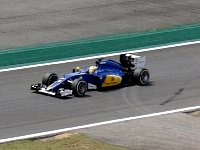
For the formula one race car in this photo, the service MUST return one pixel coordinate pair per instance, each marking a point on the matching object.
(106, 73)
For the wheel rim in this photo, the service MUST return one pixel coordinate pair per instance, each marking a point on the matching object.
(144, 77)
(82, 88)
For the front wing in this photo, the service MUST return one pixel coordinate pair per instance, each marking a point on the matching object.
(40, 88)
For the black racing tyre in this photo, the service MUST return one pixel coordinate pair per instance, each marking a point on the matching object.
(141, 76)
(58, 95)
(79, 87)
(49, 78)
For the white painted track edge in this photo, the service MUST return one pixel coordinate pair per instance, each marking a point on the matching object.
(48, 133)
(99, 56)
(59, 131)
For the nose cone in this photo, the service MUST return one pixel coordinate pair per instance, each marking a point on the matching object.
(56, 84)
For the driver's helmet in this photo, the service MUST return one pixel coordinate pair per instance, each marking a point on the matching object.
(92, 69)
(77, 69)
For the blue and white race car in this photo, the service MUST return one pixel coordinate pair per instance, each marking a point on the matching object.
(106, 73)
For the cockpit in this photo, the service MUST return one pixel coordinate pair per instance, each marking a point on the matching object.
(92, 69)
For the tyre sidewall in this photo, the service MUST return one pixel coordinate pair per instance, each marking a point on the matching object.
(139, 74)
(49, 78)
(77, 86)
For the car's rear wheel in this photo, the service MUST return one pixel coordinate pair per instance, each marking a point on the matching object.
(141, 76)
(49, 78)
(79, 87)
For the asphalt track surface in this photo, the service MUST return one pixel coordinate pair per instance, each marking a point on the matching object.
(175, 83)
(31, 22)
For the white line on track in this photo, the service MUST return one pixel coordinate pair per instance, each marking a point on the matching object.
(48, 133)
(54, 132)
(99, 56)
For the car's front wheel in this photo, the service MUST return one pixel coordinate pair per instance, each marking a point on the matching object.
(49, 78)
(79, 87)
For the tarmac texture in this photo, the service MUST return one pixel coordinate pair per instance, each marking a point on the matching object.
(168, 132)
(30, 22)
(174, 84)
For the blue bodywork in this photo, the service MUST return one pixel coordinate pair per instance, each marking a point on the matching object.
(105, 67)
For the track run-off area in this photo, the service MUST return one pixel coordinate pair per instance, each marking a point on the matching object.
(174, 86)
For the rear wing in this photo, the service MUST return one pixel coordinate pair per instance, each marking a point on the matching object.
(139, 61)
(131, 60)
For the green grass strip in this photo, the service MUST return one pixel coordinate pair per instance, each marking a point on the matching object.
(99, 45)
(74, 142)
